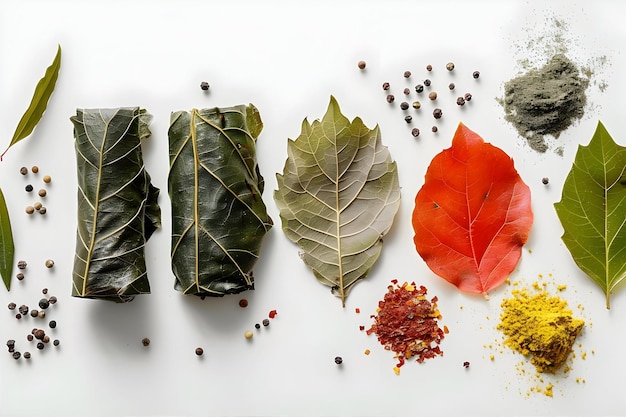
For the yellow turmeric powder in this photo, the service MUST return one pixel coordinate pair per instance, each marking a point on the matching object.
(540, 326)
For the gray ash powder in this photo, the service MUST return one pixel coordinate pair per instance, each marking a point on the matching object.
(545, 101)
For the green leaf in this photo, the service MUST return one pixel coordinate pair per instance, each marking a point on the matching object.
(592, 211)
(218, 216)
(38, 103)
(338, 196)
(117, 204)
(6, 244)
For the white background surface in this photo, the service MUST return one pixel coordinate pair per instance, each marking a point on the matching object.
(288, 58)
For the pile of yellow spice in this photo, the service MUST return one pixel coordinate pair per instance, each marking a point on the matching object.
(540, 326)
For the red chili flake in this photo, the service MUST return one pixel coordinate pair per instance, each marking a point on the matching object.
(406, 323)
(273, 314)
(361, 328)
(394, 281)
(357, 310)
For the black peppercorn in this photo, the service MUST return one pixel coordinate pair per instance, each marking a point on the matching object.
(34, 313)
(28, 188)
(419, 88)
(257, 326)
(43, 210)
(406, 91)
(407, 74)
(408, 119)
(545, 180)
(450, 66)
(204, 85)
(145, 341)
(361, 64)
(476, 74)
(12, 306)
(404, 105)
(199, 351)
(39, 334)
(16, 355)
(415, 132)
(23, 309)
(26, 355)
(18, 316)
(56, 342)
(19, 276)
(338, 360)
(434, 129)
(23, 170)
(427, 82)
(437, 113)
(40, 345)
(52, 324)
(46, 339)
(460, 101)
(390, 98)
(451, 86)
(10, 343)
(429, 67)
(386, 86)
(466, 364)
(266, 322)
(44, 291)
(468, 96)
(53, 299)
(44, 303)
(30, 337)
(21, 264)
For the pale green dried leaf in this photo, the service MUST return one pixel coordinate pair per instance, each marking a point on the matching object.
(338, 195)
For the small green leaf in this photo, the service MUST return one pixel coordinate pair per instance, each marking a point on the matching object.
(6, 244)
(592, 211)
(38, 103)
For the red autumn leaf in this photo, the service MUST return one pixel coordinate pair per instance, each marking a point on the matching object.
(472, 215)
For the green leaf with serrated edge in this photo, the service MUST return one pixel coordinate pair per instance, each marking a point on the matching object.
(117, 204)
(38, 103)
(592, 211)
(338, 196)
(7, 250)
(219, 218)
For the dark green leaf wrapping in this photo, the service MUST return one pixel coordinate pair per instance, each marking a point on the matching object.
(117, 204)
(218, 216)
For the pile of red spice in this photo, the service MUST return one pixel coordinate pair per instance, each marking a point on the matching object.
(407, 323)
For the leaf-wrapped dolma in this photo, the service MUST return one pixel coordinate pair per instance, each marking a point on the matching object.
(218, 216)
(117, 204)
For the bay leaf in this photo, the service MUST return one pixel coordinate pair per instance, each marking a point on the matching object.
(7, 248)
(338, 195)
(39, 102)
(219, 218)
(592, 211)
(117, 204)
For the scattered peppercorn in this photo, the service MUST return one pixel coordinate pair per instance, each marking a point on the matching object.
(437, 113)
(52, 324)
(56, 342)
(16, 355)
(42, 193)
(46, 339)
(476, 74)
(39, 334)
(52, 299)
(427, 82)
(545, 180)
(338, 360)
(12, 306)
(407, 91)
(415, 132)
(243, 303)
(35, 169)
(434, 129)
(266, 322)
(408, 119)
(468, 96)
(30, 337)
(47, 179)
(419, 88)
(390, 98)
(43, 210)
(22, 264)
(26, 355)
(23, 309)
(44, 291)
(28, 188)
(10, 343)
(361, 64)
(204, 86)
(34, 312)
(432, 95)
(386, 86)
(23, 170)
(18, 316)
(460, 101)
(451, 86)
(40, 345)
(257, 326)
(145, 341)
(199, 351)
(429, 67)
(41, 314)
(37, 205)
(417, 105)
(29, 210)
(49, 263)
(450, 66)
(19, 276)
(466, 364)
(44, 303)
(404, 105)
(407, 74)
(248, 334)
